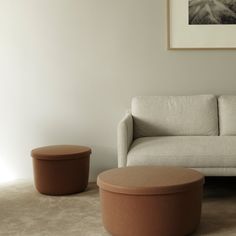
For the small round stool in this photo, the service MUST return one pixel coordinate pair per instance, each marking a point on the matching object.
(151, 200)
(61, 169)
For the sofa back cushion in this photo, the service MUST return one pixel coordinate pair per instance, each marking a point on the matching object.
(175, 115)
(227, 115)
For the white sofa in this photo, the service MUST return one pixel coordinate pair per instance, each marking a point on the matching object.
(197, 132)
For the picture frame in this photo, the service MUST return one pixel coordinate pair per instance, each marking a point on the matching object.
(208, 34)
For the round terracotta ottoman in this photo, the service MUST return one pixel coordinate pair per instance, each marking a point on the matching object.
(151, 200)
(61, 169)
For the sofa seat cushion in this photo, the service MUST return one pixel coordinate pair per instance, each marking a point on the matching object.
(186, 151)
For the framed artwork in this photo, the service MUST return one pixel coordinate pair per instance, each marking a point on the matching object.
(201, 24)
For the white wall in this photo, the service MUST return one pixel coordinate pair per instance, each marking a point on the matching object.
(68, 69)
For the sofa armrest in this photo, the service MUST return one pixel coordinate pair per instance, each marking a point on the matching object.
(124, 139)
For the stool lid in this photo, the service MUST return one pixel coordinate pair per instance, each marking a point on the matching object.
(149, 180)
(60, 152)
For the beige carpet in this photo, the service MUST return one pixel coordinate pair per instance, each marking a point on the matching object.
(24, 212)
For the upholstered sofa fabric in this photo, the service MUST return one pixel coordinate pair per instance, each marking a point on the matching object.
(197, 132)
(124, 138)
(174, 115)
(187, 151)
(227, 115)
(217, 171)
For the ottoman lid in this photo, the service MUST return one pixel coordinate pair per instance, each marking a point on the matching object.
(60, 152)
(149, 180)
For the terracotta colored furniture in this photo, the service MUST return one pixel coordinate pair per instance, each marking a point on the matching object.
(151, 200)
(61, 170)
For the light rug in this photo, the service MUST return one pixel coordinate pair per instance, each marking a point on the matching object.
(24, 212)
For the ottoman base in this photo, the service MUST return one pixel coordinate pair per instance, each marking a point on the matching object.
(175, 214)
(61, 177)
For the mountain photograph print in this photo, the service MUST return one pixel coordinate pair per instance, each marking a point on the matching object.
(207, 12)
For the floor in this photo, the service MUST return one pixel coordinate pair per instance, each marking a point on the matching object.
(24, 212)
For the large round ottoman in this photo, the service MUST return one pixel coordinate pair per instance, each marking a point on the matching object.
(61, 169)
(151, 200)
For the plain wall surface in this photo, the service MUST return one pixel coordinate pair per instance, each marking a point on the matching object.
(68, 70)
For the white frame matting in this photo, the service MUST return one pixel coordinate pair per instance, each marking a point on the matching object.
(181, 35)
